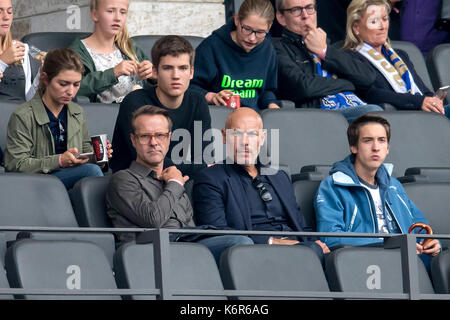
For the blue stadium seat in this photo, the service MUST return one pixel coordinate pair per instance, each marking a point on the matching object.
(192, 266)
(34, 264)
(272, 267)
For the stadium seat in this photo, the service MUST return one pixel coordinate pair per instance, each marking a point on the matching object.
(431, 199)
(272, 267)
(192, 266)
(39, 200)
(440, 272)
(417, 59)
(437, 63)
(88, 201)
(52, 40)
(306, 137)
(370, 270)
(100, 118)
(3, 280)
(7, 107)
(218, 118)
(418, 139)
(305, 192)
(146, 42)
(33, 264)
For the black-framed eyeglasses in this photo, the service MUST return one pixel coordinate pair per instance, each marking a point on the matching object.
(265, 194)
(298, 11)
(259, 34)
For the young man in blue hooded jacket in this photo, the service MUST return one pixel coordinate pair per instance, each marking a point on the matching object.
(361, 196)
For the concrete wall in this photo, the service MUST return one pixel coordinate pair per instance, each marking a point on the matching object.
(182, 17)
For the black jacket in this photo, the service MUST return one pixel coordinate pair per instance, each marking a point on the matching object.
(297, 77)
(382, 92)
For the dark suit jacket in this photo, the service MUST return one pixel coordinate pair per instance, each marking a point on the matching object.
(219, 200)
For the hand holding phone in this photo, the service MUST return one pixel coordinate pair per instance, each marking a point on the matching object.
(441, 93)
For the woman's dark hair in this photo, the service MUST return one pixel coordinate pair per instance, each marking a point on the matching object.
(59, 60)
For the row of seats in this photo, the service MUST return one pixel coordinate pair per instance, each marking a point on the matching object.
(308, 140)
(260, 269)
(23, 204)
(433, 71)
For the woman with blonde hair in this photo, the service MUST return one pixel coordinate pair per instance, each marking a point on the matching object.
(397, 82)
(16, 65)
(114, 65)
(238, 58)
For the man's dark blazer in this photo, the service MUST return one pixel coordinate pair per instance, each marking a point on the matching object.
(220, 200)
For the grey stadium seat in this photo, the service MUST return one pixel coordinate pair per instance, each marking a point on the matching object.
(437, 63)
(146, 42)
(52, 40)
(39, 200)
(88, 200)
(192, 266)
(3, 280)
(417, 59)
(306, 137)
(417, 140)
(431, 198)
(370, 270)
(218, 117)
(34, 264)
(7, 107)
(440, 272)
(100, 118)
(305, 192)
(272, 267)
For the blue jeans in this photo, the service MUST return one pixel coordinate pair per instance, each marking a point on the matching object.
(218, 244)
(447, 111)
(70, 176)
(351, 113)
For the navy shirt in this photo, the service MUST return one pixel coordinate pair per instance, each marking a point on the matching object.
(58, 127)
(265, 215)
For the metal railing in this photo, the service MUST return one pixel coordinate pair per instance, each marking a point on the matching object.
(164, 291)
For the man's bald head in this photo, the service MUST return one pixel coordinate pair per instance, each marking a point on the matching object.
(242, 113)
(243, 135)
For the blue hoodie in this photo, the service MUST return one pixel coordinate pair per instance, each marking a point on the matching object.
(220, 64)
(342, 204)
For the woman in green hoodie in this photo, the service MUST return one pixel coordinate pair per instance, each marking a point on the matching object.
(114, 66)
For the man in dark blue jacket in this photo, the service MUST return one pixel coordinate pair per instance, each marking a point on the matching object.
(242, 194)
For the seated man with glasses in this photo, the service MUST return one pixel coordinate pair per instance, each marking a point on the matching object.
(238, 59)
(312, 73)
(243, 194)
(150, 194)
(173, 59)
